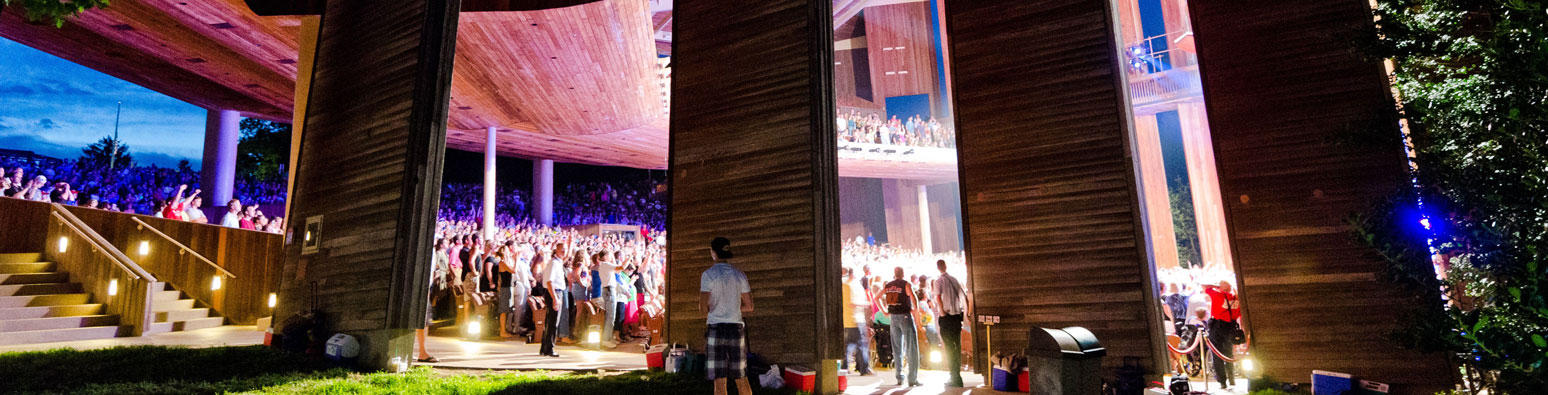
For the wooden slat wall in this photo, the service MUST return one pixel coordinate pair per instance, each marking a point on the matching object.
(1049, 194)
(370, 165)
(254, 257)
(852, 78)
(25, 226)
(1281, 84)
(752, 159)
(899, 40)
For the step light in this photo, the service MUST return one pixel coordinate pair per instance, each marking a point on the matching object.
(215, 283)
(112, 287)
(64, 243)
(144, 248)
(273, 300)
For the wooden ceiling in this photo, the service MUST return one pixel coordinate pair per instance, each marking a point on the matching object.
(578, 84)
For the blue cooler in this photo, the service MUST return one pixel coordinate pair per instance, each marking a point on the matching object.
(1331, 383)
(1002, 379)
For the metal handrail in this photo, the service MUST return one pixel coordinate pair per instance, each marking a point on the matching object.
(101, 246)
(196, 254)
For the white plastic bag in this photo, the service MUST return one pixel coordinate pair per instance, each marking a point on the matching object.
(773, 379)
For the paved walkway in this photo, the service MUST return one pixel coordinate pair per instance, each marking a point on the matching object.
(455, 353)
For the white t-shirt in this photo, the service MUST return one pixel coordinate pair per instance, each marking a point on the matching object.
(194, 213)
(725, 285)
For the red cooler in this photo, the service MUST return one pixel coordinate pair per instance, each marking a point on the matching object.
(655, 357)
(1024, 380)
(843, 380)
(800, 379)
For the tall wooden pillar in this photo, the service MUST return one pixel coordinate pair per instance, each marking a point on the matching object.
(369, 171)
(1283, 87)
(1053, 219)
(753, 158)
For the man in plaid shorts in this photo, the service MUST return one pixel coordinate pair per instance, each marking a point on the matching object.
(724, 295)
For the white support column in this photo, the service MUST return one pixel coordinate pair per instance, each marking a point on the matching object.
(543, 191)
(217, 175)
(489, 182)
(925, 235)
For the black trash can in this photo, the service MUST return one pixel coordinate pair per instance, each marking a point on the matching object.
(1064, 361)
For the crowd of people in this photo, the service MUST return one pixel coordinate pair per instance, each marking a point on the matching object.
(626, 203)
(524, 268)
(151, 190)
(1200, 300)
(854, 127)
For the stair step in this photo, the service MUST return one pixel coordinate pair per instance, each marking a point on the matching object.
(22, 313)
(182, 315)
(39, 289)
(29, 267)
(34, 278)
(198, 323)
(43, 300)
(68, 334)
(168, 296)
(38, 324)
(171, 305)
(21, 257)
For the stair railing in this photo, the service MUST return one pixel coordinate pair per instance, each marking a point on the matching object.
(121, 285)
(182, 248)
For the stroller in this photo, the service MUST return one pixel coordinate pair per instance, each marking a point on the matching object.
(882, 335)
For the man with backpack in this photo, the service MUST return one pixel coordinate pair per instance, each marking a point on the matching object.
(900, 301)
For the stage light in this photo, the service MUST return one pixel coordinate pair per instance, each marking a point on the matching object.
(64, 243)
(273, 299)
(144, 248)
(112, 287)
(215, 283)
(935, 356)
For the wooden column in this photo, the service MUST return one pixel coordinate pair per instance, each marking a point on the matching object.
(1158, 201)
(1204, 184)
(370, 166)
(753, 159)
(1052, 214)
(1283, 86)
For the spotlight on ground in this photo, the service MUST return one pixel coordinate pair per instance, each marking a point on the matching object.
(1249, 365)
(935, 356)
(594, 337)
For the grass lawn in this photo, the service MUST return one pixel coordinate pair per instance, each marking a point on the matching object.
(259, 370)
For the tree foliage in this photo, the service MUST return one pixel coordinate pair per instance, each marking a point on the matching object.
(106, 153)
(55, 11)
(1473, 77)
(265, 148)
(1184, 226)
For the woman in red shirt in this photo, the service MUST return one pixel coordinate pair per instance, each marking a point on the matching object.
(177, 207)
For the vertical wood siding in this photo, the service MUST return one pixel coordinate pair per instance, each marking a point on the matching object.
(1048, 187)
(753, 159)
(1282, 83)
(370, 162)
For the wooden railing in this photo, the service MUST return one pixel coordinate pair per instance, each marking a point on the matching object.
(123, 287)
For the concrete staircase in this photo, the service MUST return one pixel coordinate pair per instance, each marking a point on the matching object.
(174, 312)
(40, 305)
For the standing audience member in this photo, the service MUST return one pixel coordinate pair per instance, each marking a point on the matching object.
(724, 295)
(233, 217)
(553, 279)
(1224, 311)
(951, 299)
(899, 296)
(857, 342)
(194, 213)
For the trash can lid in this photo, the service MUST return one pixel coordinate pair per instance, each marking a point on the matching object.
(1052, 343)
(1087, 341)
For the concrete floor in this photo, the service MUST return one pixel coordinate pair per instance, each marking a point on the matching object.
(457, 354)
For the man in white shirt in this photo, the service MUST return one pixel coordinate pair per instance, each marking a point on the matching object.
(233, 217)
(724, 295)
(606, 267)
(195, 214)
(952, 299)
